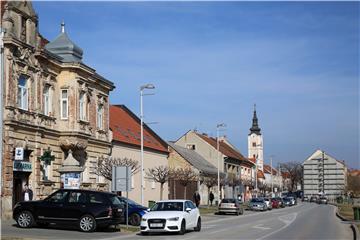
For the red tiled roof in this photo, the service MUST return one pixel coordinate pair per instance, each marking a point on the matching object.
(267, 169)
(125, 126)
(223, 148)
(253, 160)
(260, 174)
(285, 175)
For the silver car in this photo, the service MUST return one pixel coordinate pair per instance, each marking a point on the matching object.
(268, 203)
(230, 205)
(257, 204)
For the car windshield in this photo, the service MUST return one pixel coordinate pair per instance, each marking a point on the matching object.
(228, 201)
(168, 206)
(256, 200)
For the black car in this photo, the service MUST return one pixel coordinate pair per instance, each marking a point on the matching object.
(287, 201)
(87, 209)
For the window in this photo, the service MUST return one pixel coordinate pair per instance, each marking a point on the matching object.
(100, 117)
(82, 106)
(47, 100)
(22, 99)
(190, 146)
(96, 198)
(64, 104)
(254, 144)
(77, 197)
(58, 197)
(153, 184)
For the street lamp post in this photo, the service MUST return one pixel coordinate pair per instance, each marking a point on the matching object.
(271, 174)
(146, 86)
(218, 126)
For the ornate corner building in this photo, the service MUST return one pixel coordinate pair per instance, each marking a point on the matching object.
(56, 111)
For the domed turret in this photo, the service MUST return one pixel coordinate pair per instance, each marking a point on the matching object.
(64, 47)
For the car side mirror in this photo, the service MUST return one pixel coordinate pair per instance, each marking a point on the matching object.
(188, 209)
(148, 209)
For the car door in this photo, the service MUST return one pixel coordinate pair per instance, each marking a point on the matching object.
(191, 215)
(51, 208)
(75, 206)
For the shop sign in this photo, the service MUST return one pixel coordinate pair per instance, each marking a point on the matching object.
(22, 166)
(19, 153)
(71, 180)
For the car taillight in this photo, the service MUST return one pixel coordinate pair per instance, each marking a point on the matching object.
(110, 211)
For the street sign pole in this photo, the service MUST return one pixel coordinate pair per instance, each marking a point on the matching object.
(127, 197)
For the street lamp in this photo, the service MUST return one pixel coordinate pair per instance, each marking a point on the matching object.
(218, 126)
(146, 86)
(271, 175)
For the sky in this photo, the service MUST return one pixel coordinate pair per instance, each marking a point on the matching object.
(212, 61)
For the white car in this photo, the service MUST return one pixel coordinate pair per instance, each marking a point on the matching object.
(171, 216)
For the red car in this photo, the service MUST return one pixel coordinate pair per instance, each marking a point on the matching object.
(275, 203)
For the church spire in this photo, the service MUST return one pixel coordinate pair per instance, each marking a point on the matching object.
(255, 126)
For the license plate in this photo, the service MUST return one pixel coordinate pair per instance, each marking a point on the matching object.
(156, 225)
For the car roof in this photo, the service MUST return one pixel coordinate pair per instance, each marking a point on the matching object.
(85, 190)
(174, 200)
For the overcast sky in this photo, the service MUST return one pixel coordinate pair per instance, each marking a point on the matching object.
(210, 62)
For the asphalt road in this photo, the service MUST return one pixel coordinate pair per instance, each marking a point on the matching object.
(304, 221)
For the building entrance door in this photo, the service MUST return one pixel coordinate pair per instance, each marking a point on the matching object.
(20, 179)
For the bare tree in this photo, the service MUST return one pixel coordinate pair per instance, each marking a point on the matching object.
(104, 166)
(161, 175)
(185, 176)
(353, 184)
(294, 169)
(233, 181)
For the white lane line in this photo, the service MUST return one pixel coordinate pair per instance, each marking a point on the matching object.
(285, 220)
(260, 226)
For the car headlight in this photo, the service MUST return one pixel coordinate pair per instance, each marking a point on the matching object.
(173, 219)
(144, 219)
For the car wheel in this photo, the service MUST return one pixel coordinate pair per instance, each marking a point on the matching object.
(198, 225)
(25, 219)
(182, 228)
(87, 223)
(135, 219)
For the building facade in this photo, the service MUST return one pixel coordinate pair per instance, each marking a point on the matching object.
(55, 111)
(180, 157)
(125, 127)
(324, 175)
(230, 161)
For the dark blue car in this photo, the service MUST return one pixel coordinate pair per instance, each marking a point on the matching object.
(136, 211)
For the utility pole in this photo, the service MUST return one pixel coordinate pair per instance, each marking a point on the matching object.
(218, 126)
(271, 174)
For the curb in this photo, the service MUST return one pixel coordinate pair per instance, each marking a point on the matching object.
(355, 230)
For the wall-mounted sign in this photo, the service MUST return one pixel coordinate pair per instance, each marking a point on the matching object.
(71, 180)
(22, 166)
(19, 153)
(121, 179)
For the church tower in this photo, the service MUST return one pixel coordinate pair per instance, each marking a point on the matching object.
(255, 142)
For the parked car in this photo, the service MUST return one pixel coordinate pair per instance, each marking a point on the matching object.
(293, 201)
(268, 203)
(275, 203)
(322, 200)
(171, 216)
(87, 209)
(287, 201)
(281, 202)
(230, 205)
(305, 199)
(257, 204)
(313, 199)
(136, 211)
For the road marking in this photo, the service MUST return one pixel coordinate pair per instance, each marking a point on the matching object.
(291, 216)
(260, 226)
